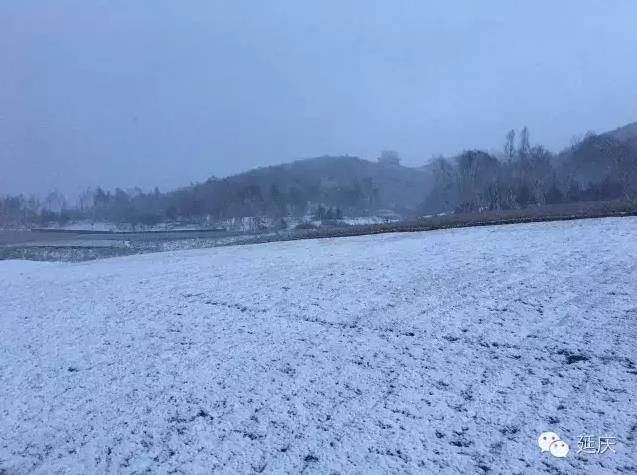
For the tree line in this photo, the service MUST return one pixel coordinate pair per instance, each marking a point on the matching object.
(596, 167)
(214, 200)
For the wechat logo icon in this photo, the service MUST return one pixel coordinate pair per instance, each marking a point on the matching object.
(551, 442)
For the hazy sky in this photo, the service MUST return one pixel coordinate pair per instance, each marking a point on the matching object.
(152, 92)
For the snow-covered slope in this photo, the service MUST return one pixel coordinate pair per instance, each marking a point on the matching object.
(438, 352)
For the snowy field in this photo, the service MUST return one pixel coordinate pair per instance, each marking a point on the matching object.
(438, 352)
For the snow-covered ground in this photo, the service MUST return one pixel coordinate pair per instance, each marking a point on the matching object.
(439, 352)
(242, 224)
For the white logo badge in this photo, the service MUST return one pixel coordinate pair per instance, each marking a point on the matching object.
(551, 442)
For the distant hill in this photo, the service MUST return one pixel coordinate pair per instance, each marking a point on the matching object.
(597, 155)
(343, 181)
(357, 186)
(626, 134)
(599, 167)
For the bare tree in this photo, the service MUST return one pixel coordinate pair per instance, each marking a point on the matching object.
(86, 199)
(538, 173)
(55, 201)
(524, 146)
(509, 145)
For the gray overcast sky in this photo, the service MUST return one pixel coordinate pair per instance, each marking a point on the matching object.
(154, 92)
